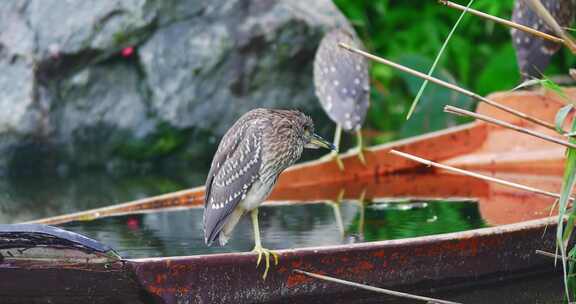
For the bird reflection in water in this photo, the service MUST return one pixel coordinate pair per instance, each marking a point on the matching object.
(348, 236)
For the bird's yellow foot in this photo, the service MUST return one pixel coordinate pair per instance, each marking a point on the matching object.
(336, 157)
(361, 156)
(267, 253)
(360, 147)
(360, 152)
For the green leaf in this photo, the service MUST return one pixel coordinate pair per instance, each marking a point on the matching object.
(433, 67)
(527, 83)
(571, 270)
(561, 117)
(568, 183)
(498, 72)
(430, 116)
(552, 86)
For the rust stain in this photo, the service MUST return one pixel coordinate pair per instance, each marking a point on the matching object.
(180, 269)
(297, 264)
(158, 290)
(358, 269)
(161, 289)
(160, 279)
(365, 265)
(328, 260)
(297, 279)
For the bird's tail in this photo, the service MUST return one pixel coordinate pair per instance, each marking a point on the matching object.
(224, 232)
(232, 221)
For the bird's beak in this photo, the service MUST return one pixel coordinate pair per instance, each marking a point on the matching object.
(318, 142)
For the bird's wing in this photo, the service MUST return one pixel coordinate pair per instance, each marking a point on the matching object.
(534, 53)
(233, 171)
(341, 79)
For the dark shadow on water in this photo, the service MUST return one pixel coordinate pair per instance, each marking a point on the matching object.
(34, 197)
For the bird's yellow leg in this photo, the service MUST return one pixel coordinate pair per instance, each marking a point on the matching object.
(334, 154)
(337, 214)
(362, 203)
(258, 245)
(360, 146)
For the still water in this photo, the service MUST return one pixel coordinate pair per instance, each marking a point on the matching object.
(385, 214)
(173, 233)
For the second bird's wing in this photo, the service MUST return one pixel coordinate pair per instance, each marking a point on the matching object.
(341, 80)
(234, 169)
(534, 53)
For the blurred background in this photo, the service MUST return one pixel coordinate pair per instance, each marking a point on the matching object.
(108, 101)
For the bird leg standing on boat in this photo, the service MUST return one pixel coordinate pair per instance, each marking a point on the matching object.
(244, 170)
(334, 154)
(342, 85)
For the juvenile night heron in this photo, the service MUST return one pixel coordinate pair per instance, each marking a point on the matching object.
(342, 85)
(251, 155)
(533, 53)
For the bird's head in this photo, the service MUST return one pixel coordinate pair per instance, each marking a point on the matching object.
(303, 128)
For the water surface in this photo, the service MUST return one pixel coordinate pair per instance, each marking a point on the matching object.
(173, 233)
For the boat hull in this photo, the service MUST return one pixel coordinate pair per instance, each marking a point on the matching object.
(419, 264)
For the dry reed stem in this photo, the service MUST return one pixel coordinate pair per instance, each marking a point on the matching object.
(502, 21)
(374, 289)
(501, 123)
(545, 15)
(449, 86)
(552, 255)
(477, 175)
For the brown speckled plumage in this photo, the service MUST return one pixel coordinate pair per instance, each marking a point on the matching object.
(254, 151)
(534, 53)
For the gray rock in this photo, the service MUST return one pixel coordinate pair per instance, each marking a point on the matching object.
(69, 97)
(70, 27)
(98, 108)
(242, 55)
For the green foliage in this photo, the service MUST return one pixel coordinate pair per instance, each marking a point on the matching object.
(429, 115)
(571, 280)
(561, 116)
(164, 142)
(563, 234)
(436, 60)
(479, 57)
